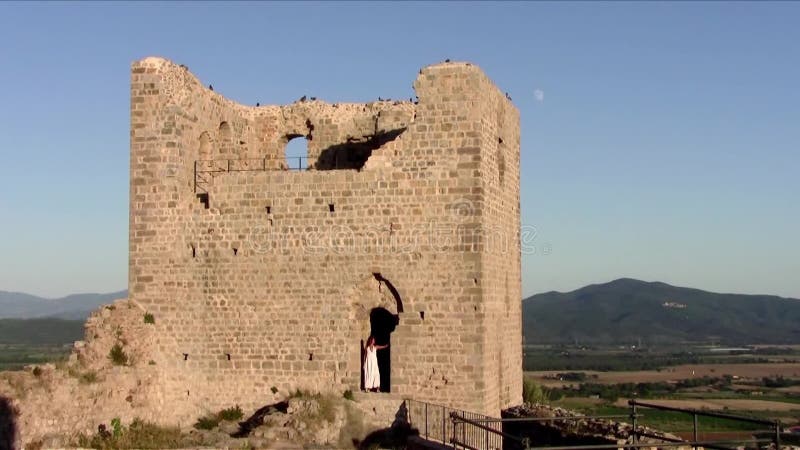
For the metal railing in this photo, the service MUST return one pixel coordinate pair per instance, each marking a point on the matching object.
(204, 170)
(775, 425)
(472, 431)
(454, 426)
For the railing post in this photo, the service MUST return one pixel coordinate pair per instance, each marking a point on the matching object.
(778, 434)
(633, 420)
(426, 421)
(462, 432)
(486, 432)
(444, 432)
(694, 428)
(195, 176)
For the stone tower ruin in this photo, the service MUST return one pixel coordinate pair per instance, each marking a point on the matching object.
(264, 272)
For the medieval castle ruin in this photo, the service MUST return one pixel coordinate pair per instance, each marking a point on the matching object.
(260, 272)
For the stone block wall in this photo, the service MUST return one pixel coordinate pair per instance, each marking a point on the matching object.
(273, 278)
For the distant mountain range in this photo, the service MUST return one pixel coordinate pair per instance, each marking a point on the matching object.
(623, 311)
(16, 305)
(630, 311)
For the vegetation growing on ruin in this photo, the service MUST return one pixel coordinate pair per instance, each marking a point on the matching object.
(211, 421)
(233, 413)
(139, 434)
(117, 355)
(534, 393)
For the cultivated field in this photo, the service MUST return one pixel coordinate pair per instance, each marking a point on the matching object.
(682, 372)
(720, 404)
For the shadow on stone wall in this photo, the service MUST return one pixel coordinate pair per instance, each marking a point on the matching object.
(353, 154)
(396, 436)
(8, 424)
(257, 419)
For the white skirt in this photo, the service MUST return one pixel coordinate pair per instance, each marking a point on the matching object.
(372, 378)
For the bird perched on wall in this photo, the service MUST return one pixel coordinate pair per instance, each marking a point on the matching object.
(258, 104)
(380, 99)
(447, 60)
(210, 87)
(303, 98)
(508, 96)
(313, 99)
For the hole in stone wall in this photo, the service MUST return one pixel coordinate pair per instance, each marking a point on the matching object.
(269, 209)
(297, 152)
(501, 161)
(310, 356)
(422, 315)
(475, 281)
(194, 252)
(354, 153)
(228, 355)
(331, 207)
(185, 356)
(235, 251)
(501, 166)
(187, 393)
(204, 199)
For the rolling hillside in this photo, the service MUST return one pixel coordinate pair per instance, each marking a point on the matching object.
(16, 305)
(627, 310)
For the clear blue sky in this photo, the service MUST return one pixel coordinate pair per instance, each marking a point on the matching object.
(662, 143)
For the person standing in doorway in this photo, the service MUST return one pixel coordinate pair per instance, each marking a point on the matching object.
(372, 377)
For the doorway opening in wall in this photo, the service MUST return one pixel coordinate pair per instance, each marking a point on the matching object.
(382, 323)
(297, 152)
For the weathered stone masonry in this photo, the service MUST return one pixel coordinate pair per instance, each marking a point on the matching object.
(272, 277)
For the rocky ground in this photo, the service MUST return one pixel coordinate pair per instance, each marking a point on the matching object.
(583, 430)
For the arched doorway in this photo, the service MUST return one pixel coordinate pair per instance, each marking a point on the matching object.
(382, 323)
(377, 312)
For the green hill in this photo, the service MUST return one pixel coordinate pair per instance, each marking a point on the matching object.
(627, 310)
(40, 331)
